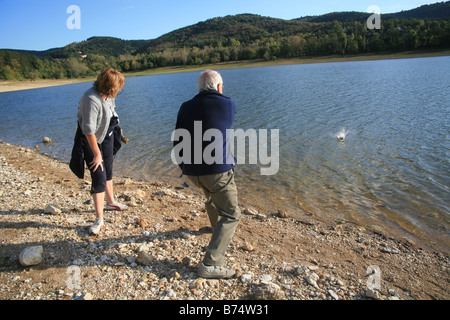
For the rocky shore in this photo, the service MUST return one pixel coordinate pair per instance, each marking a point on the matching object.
(151, 251)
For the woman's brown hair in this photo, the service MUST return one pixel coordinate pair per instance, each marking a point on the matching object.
(109, 82)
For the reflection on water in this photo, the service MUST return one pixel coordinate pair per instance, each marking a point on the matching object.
(366, 142)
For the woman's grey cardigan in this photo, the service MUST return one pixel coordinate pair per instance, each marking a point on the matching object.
(94, 114)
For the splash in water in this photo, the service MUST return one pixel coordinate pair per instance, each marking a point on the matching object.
(341, 135)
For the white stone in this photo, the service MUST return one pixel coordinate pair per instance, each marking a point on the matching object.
(171, 294)
(373, 294)
(265, 278)
(390, 249)
(145, 258)
(31, 256)
(250, 211)
(333, 294)
(52, 209)
(247, 277)
(311, 279)
(268, 291)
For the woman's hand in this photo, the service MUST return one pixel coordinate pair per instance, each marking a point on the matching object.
(97, 161)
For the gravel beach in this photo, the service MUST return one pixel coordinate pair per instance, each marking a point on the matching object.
(151, 251)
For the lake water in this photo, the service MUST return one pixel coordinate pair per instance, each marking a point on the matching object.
(392, 172)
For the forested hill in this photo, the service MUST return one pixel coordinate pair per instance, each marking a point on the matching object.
(105, 46)
(428, 12)
(239, 37)
(226, 31)
(435, 11)
(249, 27)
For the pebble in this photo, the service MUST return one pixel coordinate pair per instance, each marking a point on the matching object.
(372, 294)
(250, 211)
(390, 249)
(265, 278)
(145, 258)
(267, 291)
(247, 277)
(46, 140)
(31, 256)
(53, 209)
(158, 260)
(282, 214)
(311, 279)
(142, 222)
(248, 247)
(333, 294)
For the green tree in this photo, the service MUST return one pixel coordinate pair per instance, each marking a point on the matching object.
(76, 68)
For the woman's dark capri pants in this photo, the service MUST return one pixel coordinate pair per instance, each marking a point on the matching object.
(100, 177)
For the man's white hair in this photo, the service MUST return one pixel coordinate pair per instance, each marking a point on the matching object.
(209, 80)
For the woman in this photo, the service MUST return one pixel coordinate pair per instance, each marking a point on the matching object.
(97, 119)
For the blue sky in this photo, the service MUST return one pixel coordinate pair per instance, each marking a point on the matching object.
(41, 24)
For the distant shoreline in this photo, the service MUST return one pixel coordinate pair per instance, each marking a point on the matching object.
(17, 85)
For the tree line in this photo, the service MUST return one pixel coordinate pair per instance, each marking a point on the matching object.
(215, 46)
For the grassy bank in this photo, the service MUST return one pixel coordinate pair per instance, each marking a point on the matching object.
(16, 85)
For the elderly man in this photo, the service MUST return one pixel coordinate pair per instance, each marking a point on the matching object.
(211, 110)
